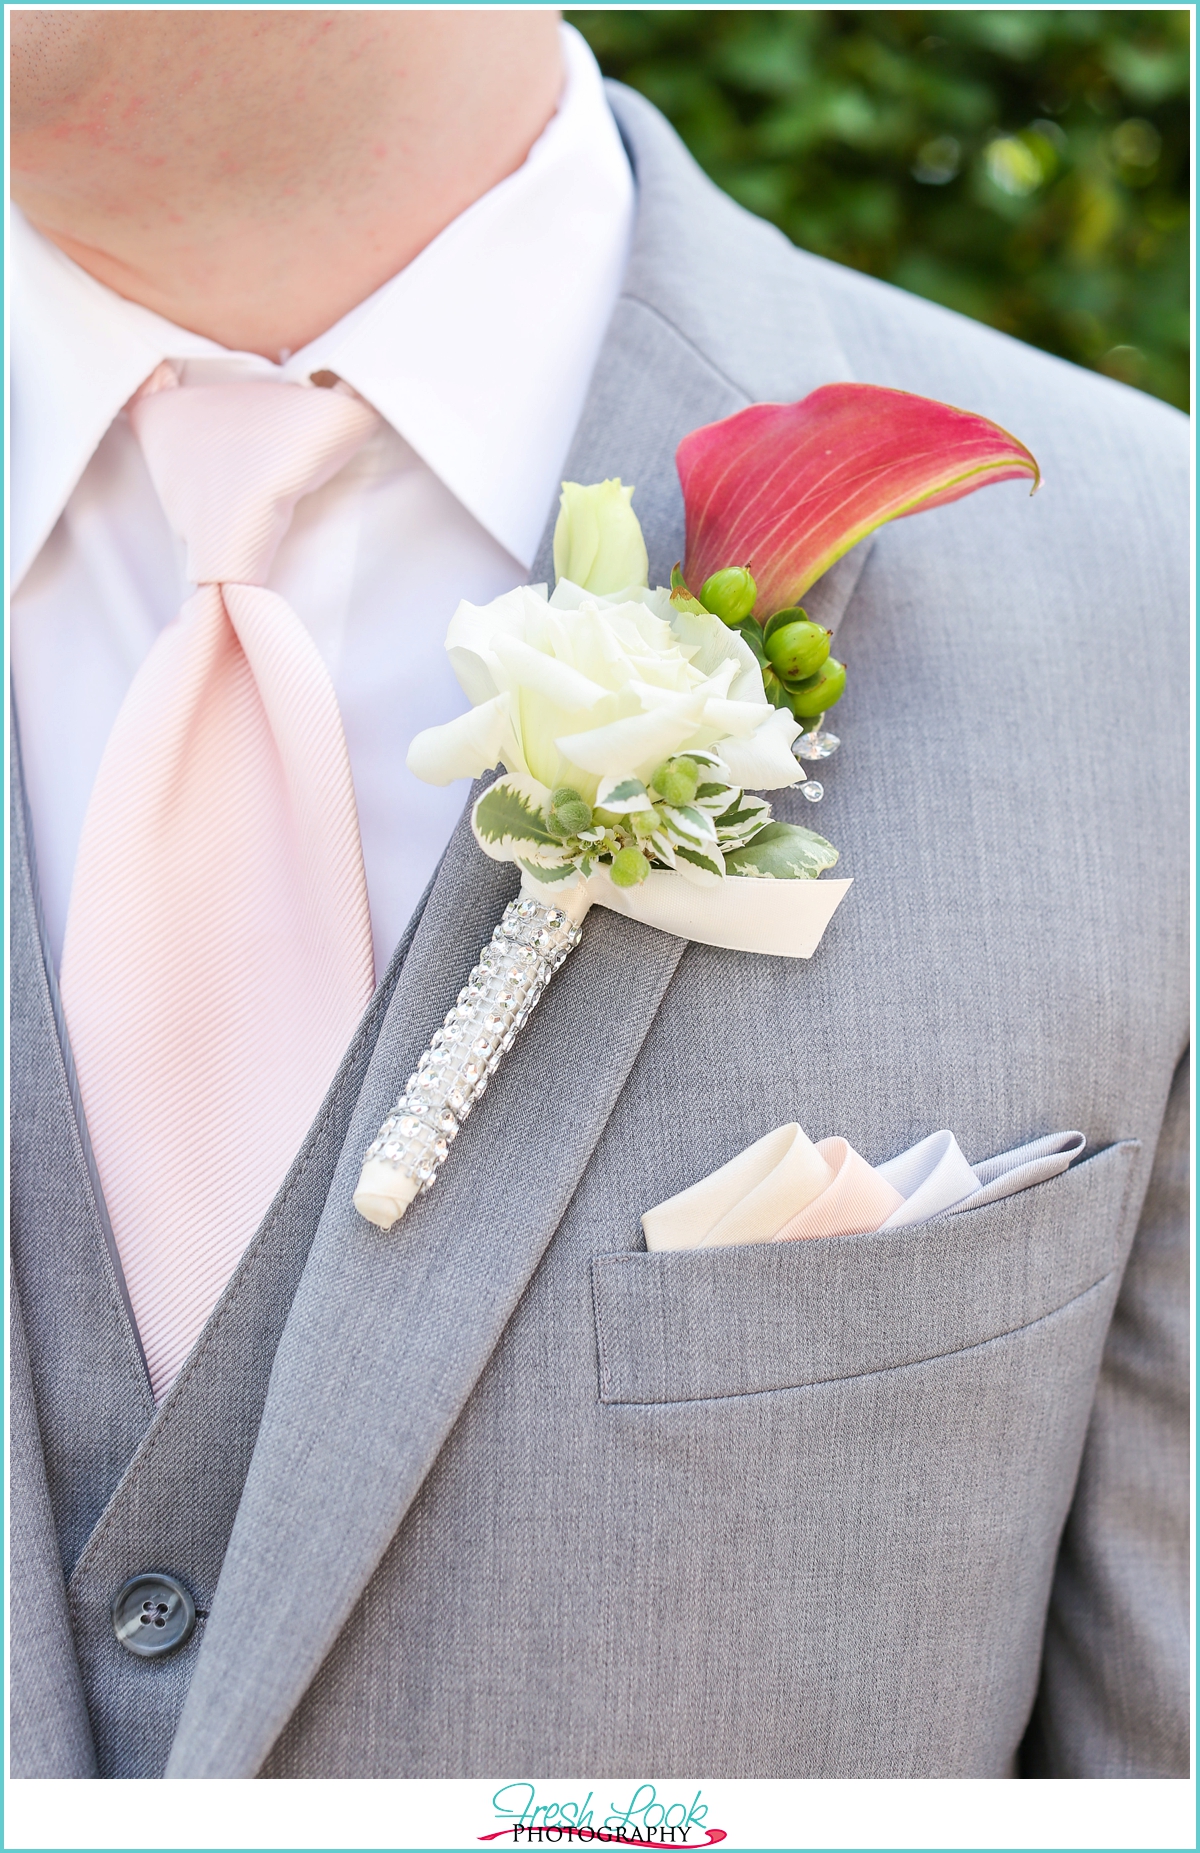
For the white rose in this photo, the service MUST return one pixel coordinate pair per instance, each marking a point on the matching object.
(580, 689)
(598, 540)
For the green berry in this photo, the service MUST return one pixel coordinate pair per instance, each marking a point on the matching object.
(676, 780)
(790, 614)
(643, 823)
(818, 693)
(629, 867)
(569, 813)
(797, 650)
(729, 594)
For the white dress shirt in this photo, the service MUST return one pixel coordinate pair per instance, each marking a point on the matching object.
(477, 356)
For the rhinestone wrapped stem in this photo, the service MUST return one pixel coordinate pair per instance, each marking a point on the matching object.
(513, 970)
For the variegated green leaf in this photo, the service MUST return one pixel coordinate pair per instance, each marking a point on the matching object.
(565, 872)
(782, 851)
(685, 823)
(506, 812)
(743, 817)
(622, 795)
(693, 859)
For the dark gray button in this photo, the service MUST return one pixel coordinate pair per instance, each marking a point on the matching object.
(152, 1615)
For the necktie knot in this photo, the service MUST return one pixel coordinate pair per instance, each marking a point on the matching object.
(231, 461)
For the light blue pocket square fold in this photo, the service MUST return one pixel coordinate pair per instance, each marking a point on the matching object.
(933, 1177)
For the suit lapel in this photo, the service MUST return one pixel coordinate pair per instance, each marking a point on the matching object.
(388, 1333)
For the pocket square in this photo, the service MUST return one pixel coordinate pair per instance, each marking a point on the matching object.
(783, 1188)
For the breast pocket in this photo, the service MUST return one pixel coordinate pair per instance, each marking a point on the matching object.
(708, 1323)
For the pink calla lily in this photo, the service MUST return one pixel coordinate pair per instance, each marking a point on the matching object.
(788, 489)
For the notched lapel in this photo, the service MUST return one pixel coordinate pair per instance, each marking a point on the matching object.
(388, 1333)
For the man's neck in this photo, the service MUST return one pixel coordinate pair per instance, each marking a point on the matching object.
(253, 175)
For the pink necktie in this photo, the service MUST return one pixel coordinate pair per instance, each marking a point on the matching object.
(218, 944)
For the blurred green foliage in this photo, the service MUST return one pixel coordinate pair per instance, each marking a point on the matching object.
(1027, 168)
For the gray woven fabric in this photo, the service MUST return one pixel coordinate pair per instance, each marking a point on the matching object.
(48, 1725)
(525, 1498)
(1114, 1691)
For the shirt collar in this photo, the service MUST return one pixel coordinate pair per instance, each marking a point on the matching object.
(478, 353)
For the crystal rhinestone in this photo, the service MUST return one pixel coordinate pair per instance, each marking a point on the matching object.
(816, 745)
(813, 790)
(526, 948)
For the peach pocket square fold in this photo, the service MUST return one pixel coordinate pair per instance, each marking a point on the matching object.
(783, 1188)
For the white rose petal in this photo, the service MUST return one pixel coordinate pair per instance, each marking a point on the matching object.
(736, 720)
(641, 742)
(714, 645)
(526, 668)
(765, 761)
(464, 747)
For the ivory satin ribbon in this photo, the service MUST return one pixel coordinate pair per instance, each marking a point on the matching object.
(742, 913)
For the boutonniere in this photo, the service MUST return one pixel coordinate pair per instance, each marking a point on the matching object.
(637, 728)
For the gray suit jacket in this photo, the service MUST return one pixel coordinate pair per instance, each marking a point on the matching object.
(500, 1491)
